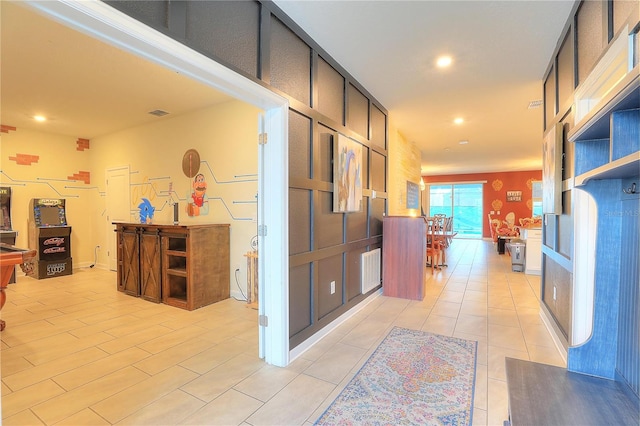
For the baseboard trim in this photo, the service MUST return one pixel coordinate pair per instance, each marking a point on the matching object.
(307, 344)
(549, 323)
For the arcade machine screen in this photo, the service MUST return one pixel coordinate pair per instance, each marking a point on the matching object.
(50, 215)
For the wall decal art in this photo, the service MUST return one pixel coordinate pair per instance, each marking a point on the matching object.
(197, 203)
(146, 211)
(496, 185)
(82, 144)
(82, 175)
(191, 163)
(145, 189)
(530, 182)
(25, 159)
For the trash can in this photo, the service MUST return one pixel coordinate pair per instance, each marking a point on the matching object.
(501, 244)
(516, 249)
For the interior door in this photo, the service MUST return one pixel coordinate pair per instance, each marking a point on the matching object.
(118, 210)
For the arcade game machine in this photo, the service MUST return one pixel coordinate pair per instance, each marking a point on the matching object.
(7, 235)
(50, 236)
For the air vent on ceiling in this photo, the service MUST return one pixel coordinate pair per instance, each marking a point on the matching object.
(158, 113)
(535, 104)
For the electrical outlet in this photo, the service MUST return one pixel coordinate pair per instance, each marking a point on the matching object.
(333, 287)
(554, 292)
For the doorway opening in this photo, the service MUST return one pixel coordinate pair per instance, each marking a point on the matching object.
(106, 24)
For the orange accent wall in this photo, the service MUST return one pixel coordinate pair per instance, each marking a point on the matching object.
(494, 192)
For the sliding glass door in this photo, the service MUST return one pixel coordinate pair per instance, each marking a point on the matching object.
(441, 200)
(462, 201)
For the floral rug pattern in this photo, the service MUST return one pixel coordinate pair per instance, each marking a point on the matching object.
(412, 378)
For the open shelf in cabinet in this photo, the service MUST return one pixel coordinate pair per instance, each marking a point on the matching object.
(596, 124)
(619, 169)
(595, 132)
(176, 287)
(176, 262)
(176, 243)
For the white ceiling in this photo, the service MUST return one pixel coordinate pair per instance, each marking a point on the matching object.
(500, 50)
(85, 87)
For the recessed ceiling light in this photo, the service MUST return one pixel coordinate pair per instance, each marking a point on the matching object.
(458, 120)
(444, 61)
(463, 142)
(40, 118)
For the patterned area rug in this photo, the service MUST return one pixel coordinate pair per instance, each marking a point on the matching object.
(412, 378)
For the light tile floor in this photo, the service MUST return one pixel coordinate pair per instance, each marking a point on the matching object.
(77, 352)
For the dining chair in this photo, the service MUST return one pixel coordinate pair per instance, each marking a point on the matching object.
(434, 244)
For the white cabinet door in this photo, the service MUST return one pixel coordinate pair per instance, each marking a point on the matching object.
(533, 254)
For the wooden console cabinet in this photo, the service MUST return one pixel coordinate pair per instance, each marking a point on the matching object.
(404, 242)
(186, 266)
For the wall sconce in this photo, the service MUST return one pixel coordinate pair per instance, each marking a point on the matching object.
(422, 185)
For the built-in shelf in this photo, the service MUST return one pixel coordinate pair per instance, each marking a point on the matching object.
(619, 169)
(596, 124)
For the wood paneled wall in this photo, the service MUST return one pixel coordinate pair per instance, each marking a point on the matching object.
(588, 33)
(260, 42)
